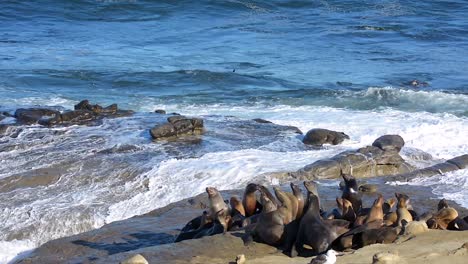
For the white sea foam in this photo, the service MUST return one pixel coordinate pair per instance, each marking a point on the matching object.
(9, 250)
(451, 185)
(174, 180)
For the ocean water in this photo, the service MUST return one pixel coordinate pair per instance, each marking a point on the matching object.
(343, 65)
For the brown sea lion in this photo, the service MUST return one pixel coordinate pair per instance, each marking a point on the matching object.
(216, 202)
(249, 200)
(270, 226)
(402, 210)
(236, 204)
(267, 206)
(300, 199)
(442, 218)
(376, 212)
(289, 201)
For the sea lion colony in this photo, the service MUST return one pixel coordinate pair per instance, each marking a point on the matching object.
(296, 223)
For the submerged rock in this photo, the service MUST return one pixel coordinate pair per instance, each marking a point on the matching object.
(177, 126)
(320, 136)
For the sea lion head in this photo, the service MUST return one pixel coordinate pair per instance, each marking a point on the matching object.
(251, 187)
(442, 204)
(379, 201)
(311, 187)
(211, 191)
(351, 183)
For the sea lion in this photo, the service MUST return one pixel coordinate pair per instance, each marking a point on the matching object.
(382, 235)
(300, 199)
(220, 225)
(291, 204)
(249, 200)
(458, 224)
(216, 203)
(312, 231)
(267, 204)
(402, 210)
(347, 240)
(388, 205)
(236, 204)
(442, 218)
(264, 190)
(442, 204)
(350, 192)
(376, 212)
(270, 226)
(347, 211)
(202, 222)
(237, 213)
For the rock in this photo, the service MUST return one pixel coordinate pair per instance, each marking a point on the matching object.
(443, 167)
(136, 259)
(30, 116)
(240, 259)
(387, 258)
(160, 111)
(163, 131)
(111, 109)
(389, 143)
(77, 116)
(85, 105)
(177, 126)
(320, 136)
(368, 188)
(262, 121)
(461, 161)
(364, 162)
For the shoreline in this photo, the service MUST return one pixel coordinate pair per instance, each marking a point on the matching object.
(151, 234)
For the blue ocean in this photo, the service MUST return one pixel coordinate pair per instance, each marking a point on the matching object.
(367, 68)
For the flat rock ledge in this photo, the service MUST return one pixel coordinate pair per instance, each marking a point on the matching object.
(382, 158)
(457, 163)
(177, 126)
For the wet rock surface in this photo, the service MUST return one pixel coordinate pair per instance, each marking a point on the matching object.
(382, 158)
(177, 126)
(84, 113)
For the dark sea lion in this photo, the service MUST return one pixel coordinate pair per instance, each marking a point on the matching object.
(368, 188)
(376, 212)
(202, 222)
(312, 231)
(216, 202)
(383, 235)
(346, 240)
(220, 225)
(300, 199)
(402, 210)
(347, 211)
(458, 224)
(351, 192)
(442, 204)
(388, 205)
(249, 200)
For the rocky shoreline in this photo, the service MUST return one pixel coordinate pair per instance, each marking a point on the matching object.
(152, 234)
